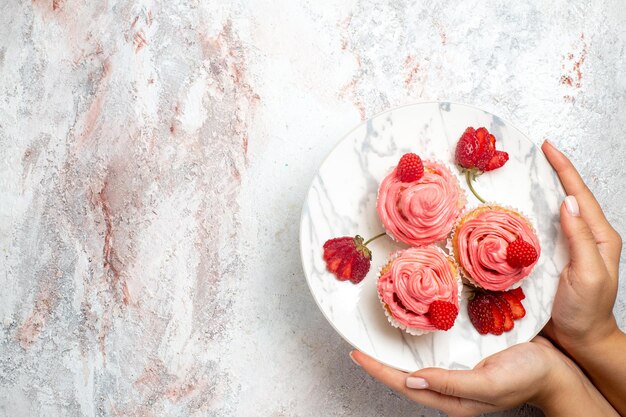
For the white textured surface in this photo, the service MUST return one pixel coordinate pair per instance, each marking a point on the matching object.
(154, 157)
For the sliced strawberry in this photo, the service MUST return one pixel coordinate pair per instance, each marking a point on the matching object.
(517, 309)
(505, 309)
(486, 148)
(333, 264)
(338, 241)
(466, 149)
(497, 326)
(345, 267)
(347, 258)
(360, 268)
(518, 292)
(497, 160)
(476, 150)
(480, 313)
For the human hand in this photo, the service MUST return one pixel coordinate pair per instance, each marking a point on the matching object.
(582, 314)
(529, 372)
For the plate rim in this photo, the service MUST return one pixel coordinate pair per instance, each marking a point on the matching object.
(332, 150)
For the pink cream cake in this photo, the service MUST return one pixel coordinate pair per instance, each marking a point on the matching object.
(423, 211)
(411, 281)
(480, 242)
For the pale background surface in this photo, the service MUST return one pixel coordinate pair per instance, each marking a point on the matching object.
(154, 157)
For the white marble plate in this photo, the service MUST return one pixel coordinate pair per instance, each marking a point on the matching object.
(342, 202)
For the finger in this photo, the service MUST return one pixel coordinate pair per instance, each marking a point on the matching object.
(589, 207)
(542, 341)
(548, 330)
(393, 378)
(397, 380)
(471, 384)
(582, 244)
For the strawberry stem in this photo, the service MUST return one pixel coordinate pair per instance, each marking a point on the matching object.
(469, 178)
(374, 238)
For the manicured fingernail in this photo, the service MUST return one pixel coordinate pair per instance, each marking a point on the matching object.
(572, 206)
(416, 383)
(354, 360)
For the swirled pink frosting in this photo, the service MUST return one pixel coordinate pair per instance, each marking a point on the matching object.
(416, 278)
(423, 211)
(481, 244)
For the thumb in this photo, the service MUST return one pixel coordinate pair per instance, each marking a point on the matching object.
(582, 244)
(471, 384)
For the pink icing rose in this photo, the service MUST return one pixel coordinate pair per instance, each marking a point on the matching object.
(416, 278)
(481, 248)
(420, 212)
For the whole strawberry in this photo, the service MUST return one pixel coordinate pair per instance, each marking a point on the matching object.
(348, 257)
(442, 314)
(520, 254)
(410, 168)
(476, 152)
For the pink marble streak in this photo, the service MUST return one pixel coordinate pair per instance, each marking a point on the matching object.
(91, 117)
(351, 89)
(128, 164)
(571, 67)
(412, 69)
(45, 302)
(111, 262)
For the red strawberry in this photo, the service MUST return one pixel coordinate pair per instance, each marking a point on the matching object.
(348, 258)
(466, 149)
(495, 312)
(517, 309)
(360, 268)
(410, 168)
(497, 327)
(476, 152)
(518, 292)
(485, 314)
(520, 254)
(442, 314)
(486, 148)
(480, 313)
(504, 307)
(498, 159)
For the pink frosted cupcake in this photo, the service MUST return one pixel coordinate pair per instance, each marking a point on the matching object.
(412, 282)
(496, 247)
(421, 211)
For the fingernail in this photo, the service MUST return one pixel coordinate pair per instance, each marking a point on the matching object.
(416, 383)
(548, 142)
(572, 206)
(354, 360)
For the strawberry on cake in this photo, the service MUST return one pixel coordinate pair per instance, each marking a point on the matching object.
(418, 203)
(496, 247)
(420, 289)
